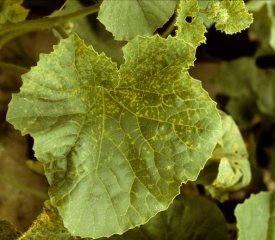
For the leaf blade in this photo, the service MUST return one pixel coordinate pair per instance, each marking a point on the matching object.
(143, 19)
(106, 172)
(255, 217)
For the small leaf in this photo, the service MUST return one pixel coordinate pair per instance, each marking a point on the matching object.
(193, 32)
(129, 18)
(8, 231)
(234, 168)
(210, 8)
(232, 16)
(12, 11)
(255, 217)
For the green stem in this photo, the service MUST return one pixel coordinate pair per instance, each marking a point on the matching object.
(23, 187)
(62, 32)
(169, 29)
(11, 30)
(13, 67)
(47, 23)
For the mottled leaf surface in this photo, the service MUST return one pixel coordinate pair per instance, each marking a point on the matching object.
(255, 217)
(234, 167)
(129, 18)
(191, 32)
(116, 145)
(230, 16)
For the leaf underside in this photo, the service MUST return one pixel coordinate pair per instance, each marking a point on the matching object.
(234, 168)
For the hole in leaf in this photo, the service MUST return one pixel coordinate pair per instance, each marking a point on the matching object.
(189, 19)
(163, 29)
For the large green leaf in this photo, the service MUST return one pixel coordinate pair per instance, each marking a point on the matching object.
(255, 217)
(126, 19)
(234, 168)
(116, 145)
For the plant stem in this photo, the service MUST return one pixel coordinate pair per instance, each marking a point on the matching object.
(169, 29)
(13, 66)
(11, 30)
(62, 32)
(23, 187)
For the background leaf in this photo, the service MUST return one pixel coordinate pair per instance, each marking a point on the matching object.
(237, 79)
(188, 217)
(234, 167)
(251, 90)
(255, 217)
(264, 21)
(48, 225)
(157, 124)
(143, 17)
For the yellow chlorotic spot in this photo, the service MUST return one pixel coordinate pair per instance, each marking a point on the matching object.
(170, 181)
